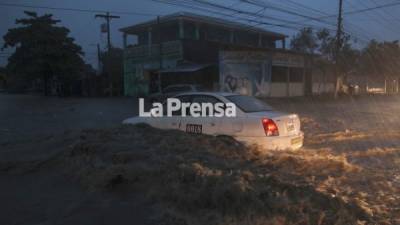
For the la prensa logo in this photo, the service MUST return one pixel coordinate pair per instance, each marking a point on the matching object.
(174, 106)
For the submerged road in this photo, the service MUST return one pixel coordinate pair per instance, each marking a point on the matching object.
(26, 117)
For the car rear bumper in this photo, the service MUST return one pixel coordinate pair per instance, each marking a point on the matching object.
(292, 142)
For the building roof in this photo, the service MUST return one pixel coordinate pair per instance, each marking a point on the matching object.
(185, 68)
(215, 94)
(187, 16)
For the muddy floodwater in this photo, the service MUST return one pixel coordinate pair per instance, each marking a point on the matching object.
(69, 161)
(26, 117)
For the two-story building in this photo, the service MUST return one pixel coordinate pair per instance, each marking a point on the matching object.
(185, 48)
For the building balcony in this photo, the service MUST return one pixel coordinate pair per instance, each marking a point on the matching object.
(150, 51)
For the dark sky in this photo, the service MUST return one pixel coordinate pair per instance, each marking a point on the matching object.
(381, 24)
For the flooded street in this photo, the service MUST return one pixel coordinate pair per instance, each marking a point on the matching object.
(26, 117)
(284, 112)
(351, 160)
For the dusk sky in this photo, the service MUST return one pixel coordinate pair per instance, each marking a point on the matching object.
(380, 24)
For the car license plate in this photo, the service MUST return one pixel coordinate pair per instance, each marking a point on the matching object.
(290, 126)
(296, 141)
(194, 128)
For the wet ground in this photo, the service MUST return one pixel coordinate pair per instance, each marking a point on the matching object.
(360, 136)
(26, 117)
(45, 197)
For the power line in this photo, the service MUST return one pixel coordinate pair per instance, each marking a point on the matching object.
(363, 34)
(326, 16)
(259, 20)
(243, 12)
(307, 7)
(364, 31)
(76, 9)
(217, 9)
(148, 14)
(279, 9)
(318, 19)
(223, 14)
(205, 6)
(320, 13)
(368, 9)
(379, 18)
(385, 16)
(352, 12)
(387, 12)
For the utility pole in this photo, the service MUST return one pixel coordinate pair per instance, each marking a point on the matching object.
(98, 57)
(108, 18)
(338, 46)
(159, 52)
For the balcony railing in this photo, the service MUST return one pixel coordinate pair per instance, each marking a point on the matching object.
(142, 51)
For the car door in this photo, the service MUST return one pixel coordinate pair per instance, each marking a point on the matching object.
(201, 125)
(173, 121)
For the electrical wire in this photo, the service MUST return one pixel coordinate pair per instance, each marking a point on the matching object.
(76, 9)
(378, 18)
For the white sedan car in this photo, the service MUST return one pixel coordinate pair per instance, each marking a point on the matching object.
(255, 121)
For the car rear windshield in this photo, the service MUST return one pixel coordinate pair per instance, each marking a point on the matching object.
(199, 88)
(249, 104)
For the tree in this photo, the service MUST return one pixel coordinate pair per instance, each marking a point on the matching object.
(305, 41)
(320, 42)
(380, 59)
(43, 50)
(323, 43)
(3, 77)
(326, 44)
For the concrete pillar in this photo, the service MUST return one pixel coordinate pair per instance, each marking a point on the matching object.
(149, 41)
(232, 36)
(284, 43)
(197, 32)
(304, 81)
(125, 41)
(288, 82)
(181, 29)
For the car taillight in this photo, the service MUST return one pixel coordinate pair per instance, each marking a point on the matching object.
(270, 127)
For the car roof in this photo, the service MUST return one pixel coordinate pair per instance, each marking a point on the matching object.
(178, 85)
(223, 94)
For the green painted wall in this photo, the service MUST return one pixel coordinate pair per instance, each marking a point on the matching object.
(137, 61)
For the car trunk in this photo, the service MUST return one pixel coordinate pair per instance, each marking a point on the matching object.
(288, 124)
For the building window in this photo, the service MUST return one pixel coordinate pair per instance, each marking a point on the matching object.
(246, 38)
(169, 32)
(296, 75)
(268, 43)
(143, 38)
(217, 34)
(279, 74)
(190, 30)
